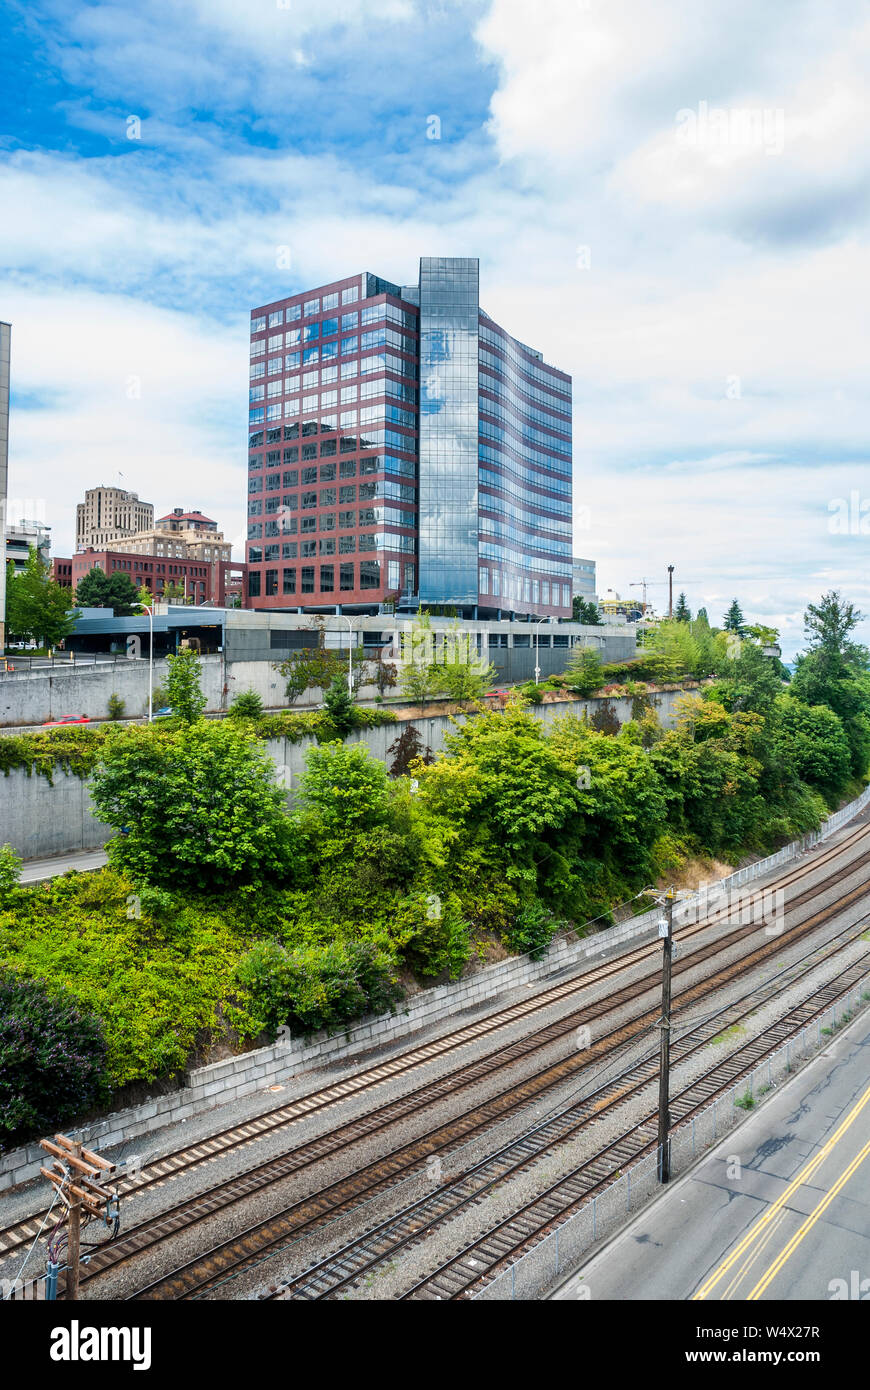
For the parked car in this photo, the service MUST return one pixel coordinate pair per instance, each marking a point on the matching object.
(165, 713)
(70, 719)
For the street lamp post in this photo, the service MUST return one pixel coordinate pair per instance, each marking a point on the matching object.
(350, 623)
(542, 619)
(150, 612)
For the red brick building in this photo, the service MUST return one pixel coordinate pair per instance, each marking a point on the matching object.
(218, 582)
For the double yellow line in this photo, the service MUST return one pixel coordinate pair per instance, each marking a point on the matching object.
(776, 1207)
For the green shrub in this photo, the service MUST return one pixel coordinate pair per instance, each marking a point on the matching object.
(10, 872)
(52, 1056)
(116, 707)
(340, 707)
(317, 987)
(246, 705)
(532, 931)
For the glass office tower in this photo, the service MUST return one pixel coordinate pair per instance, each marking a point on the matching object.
(460, 497)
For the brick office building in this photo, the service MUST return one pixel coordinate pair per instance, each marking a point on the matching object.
(403, 446)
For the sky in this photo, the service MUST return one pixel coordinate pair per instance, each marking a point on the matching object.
(671, 202)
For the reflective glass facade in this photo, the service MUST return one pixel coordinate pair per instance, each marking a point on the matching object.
(404, 446)
(449, 314)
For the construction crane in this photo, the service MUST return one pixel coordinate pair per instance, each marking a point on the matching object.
(644, 584)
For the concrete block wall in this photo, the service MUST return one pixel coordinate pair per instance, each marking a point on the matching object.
(40, 819)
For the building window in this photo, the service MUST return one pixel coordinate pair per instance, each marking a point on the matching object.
(327, 579)
(307, 579)
(330, 301)
(410, 578)
(527, 589)
(566, 596)
(290, 581)
(350, 296)
(535, 591)
(484, 581)
(253, 584)
(271, 583)
(311, 306)
(347, 545)
(347, 494)
(393, 574)
(369, 573)
(346, 577)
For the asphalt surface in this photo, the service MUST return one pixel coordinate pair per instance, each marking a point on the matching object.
(40, 870)
(779, 1211)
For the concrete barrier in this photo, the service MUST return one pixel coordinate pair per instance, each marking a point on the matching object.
(40, 819)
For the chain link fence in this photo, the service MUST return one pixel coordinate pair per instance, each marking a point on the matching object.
(563, 1248)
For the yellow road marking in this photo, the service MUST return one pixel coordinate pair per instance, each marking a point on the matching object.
(750, 1261)
(764, 1221)
(807, 1225)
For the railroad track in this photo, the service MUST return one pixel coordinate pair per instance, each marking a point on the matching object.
(344, 1195)
(361, 1256)
(480, 1261)
(183, 1160)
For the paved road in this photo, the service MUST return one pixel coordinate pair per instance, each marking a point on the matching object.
(780, 1210)
(36, 870)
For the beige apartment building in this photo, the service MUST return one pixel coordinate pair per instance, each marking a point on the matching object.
(183, 535)
(110, 514)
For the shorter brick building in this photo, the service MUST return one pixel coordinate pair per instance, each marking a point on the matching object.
(217, 582)
(61, 571)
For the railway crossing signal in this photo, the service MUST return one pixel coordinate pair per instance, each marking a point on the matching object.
(77, 1174)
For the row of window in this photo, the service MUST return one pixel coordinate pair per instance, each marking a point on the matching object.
(523, 589)
(307, 309)
(520, 454)
(505, 373)
(529, 520)
(321, 578)
(347, 467)
(509, 471)
(521, 408)
(505, 531)
(521, 560)
(519, 427)
(537, 373)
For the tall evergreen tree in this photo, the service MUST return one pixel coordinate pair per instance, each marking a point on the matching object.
(97, 589)
(682, 612)
(733, 619)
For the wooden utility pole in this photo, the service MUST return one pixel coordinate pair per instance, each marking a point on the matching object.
(666, 930)
(76, 1175)
(670, 591)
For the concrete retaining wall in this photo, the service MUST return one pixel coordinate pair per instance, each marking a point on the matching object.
(40, 819)
(236, 1077)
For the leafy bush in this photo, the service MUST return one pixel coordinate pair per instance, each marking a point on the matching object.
(246, 705)
(584, 672)
(196, 806)
(52, 1056)
(10, 872)
(532, 931)
(406, 749)
(116, 707)
(317, 987)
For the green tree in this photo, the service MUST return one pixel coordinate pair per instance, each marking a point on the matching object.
(682, 612)
(584, 672)
(173, 591)
(183, 689)
(246, 705)
(463, 676)
(419, 677)
(733, 619)
(585, 612)
(37, 607)
(196, 806)
(346, 790)
(834, 672)
(117, 591)
(340, 706)
(812, 742)
(311, 667)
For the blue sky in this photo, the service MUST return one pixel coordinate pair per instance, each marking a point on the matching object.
(671, 202)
